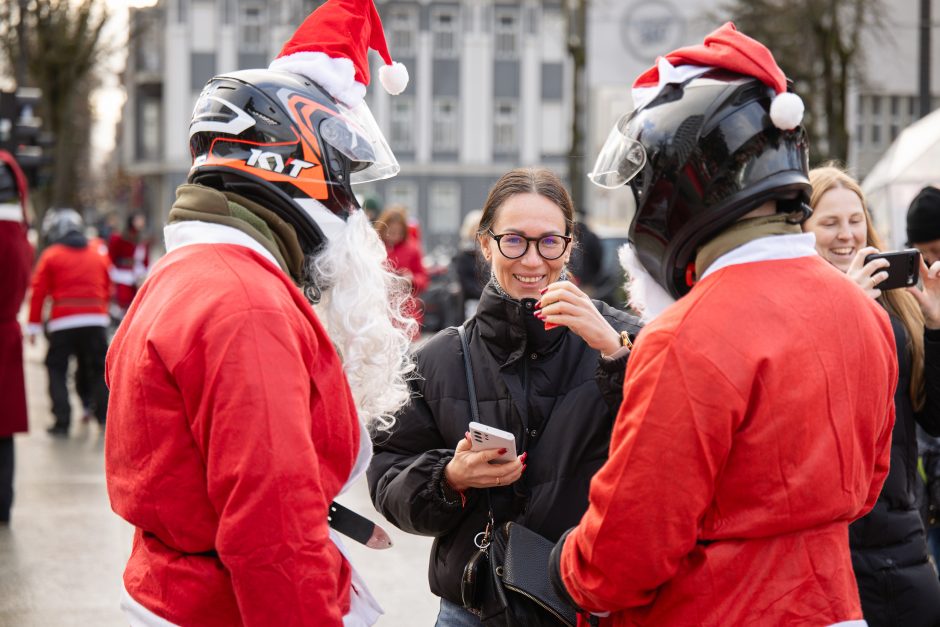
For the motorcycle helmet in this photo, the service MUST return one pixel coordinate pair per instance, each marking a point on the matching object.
(697, 156)
(58, 223)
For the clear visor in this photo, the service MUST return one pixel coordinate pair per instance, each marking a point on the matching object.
(621, 158)
(356, 135)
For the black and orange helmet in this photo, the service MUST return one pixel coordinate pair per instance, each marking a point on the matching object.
(281, 140)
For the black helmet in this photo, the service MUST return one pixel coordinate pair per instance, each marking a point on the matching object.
(282, 141)
(57, 223)
(712, 154)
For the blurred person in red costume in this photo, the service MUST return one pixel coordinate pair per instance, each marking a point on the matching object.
(263, 348)
(758, 406)
(16, 259)
(404, 255)
(73, 275)
(130, 259)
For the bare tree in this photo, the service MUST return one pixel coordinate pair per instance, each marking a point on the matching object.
(58, 44)
(817, 44)
(575, 12)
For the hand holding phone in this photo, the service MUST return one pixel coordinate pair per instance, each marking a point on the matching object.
(485, 438)
(903, 268)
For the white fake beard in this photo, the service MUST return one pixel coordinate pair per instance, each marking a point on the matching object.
(644, 295)
(360, 304)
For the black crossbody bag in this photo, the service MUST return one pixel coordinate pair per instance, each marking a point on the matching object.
(506, 581)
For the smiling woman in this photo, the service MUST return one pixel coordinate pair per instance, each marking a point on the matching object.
(548, 365)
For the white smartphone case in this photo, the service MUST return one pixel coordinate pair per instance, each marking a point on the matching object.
(485, 438)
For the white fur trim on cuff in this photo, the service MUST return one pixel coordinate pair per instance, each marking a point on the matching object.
(10, 212)
(336, 75)
(33, 328)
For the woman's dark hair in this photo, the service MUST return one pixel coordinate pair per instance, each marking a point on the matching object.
(539, 181)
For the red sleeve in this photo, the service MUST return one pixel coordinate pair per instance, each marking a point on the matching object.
(253, 421)
(625, 548)
(420, 279)
(39, 288)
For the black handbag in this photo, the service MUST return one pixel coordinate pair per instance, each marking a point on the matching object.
(506, 581)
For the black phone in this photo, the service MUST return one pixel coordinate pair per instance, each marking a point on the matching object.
(903, 269)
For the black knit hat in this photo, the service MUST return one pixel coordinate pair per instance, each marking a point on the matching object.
(923, 217)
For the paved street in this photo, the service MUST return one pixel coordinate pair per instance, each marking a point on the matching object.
(62, 557)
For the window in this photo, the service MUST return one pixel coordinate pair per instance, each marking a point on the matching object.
(444, 31)
(444, 130)
(402, 26)
(443, 208)
(149, 130)
(554, 130)
(553, 36)
(402, 122)
(402, 193)
(506, 33)
(251, 28)
(505, 126)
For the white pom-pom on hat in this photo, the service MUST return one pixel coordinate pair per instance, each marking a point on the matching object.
(394, 77)
(786, 111)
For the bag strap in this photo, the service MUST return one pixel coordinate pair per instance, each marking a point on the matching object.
(474, 410)
(471, 388)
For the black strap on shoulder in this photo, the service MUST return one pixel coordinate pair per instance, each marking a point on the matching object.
(471, 388)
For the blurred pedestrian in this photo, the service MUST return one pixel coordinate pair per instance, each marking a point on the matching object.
(897, 585)
(548, 366)
(16, 259)
(74, 276)
(372, 206)
(923, 224)
(469, 265)
(587, 259)
(261, 349)
(130, 259)
(404, 255)
(758, 407)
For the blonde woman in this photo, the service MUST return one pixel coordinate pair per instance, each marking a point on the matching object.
(897, 584)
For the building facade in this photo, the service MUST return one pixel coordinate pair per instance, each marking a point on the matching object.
(490, 88)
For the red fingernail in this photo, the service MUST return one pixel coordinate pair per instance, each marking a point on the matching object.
(524, 455)
(549, 326)
(523, 467)
(540, 315)
(538, 305)
(502, 451)
(543, 290)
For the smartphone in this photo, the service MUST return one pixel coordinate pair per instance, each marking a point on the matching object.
(484, 438)
(903, 269)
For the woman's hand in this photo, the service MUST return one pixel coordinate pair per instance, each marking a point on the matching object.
(471, 469)
(564, 304)
(929, 297)
(867, 275)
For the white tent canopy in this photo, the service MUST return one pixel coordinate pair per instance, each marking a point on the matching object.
(910, 163)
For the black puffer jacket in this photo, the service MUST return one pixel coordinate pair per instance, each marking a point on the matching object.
(550, 389)
(897, 585)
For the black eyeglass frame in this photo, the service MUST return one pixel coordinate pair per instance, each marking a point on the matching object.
(529, 240)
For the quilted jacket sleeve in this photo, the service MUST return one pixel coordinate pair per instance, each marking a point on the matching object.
(406, 476)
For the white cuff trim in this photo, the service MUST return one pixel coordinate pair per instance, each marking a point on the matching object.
(10, 212)
(78, 321)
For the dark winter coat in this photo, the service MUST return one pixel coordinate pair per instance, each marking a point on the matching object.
(549, 388)
(897, 585)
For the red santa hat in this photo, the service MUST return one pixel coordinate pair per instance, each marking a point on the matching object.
(727, 49)
(331, 48)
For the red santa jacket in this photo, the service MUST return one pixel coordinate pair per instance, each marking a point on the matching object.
(76, 279)
(755, 426)
(16, 259)
(230, 430)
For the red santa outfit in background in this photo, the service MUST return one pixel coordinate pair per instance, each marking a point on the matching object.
(130, 259)
(74, 276)
(758, 408)
(239, 412)
(16, 259)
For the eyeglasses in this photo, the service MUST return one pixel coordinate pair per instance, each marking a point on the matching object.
(513, 245)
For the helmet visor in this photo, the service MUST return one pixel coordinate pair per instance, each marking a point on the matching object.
(355, 133)
(621, 158)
